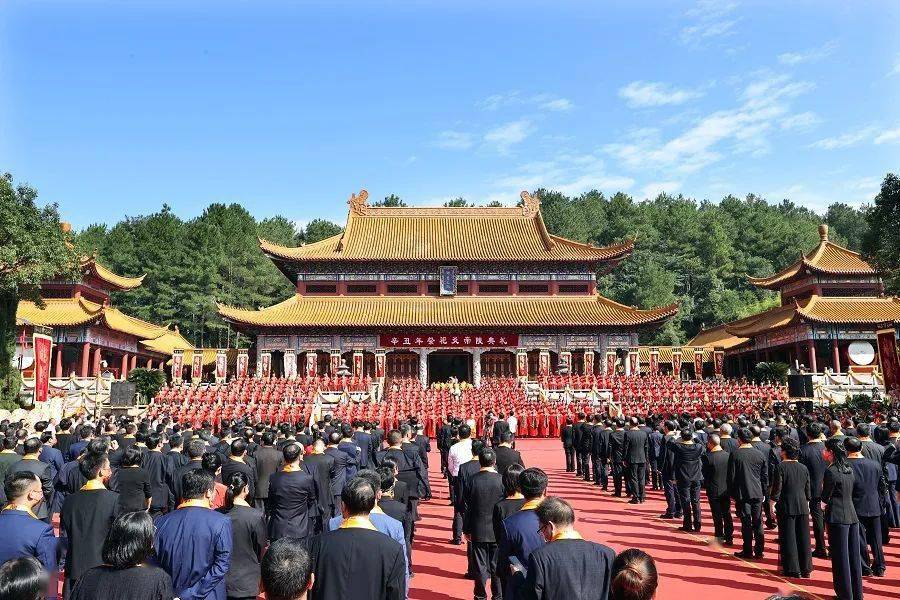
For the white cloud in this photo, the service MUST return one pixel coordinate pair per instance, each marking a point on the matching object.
(888, 136)
(741, 130)
(654, 189)
(454, 140)
(506, 136)
(641, 94)
(896, 69)
(557, 105)
(709, 19)
(570, 174)
(804, 120)
(808, 56)
(496, 101)
(850, 138)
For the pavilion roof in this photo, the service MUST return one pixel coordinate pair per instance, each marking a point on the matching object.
(458, 311)
(446, 234)
(716, 337)
(827, 258)
(116, 282)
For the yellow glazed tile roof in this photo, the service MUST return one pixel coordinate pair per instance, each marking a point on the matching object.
(59, 312)
(120, 282)
(430, 311)
(446, 234)
(168, 342)
(858, 310)
(119, 321)
(716, 337)
(827, 258)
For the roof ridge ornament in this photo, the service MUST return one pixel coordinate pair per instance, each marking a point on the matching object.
(358, 205)
(823, 232)
(531, 204)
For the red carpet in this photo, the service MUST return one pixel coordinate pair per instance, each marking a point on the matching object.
(687, 564)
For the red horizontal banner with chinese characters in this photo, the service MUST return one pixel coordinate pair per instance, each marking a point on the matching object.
(490, 339)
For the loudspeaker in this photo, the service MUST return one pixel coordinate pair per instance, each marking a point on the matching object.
(800, 386)
(122, 393)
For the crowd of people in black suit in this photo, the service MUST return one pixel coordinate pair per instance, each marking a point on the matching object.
(831, 474)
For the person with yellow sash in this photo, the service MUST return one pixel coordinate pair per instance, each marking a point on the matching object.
(568, 566)
(518, 533)
(193, 543)
(356, 560)
(86, 518)
(23, 534)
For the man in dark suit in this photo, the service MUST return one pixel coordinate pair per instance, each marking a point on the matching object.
(583, 447)
(747, 478)
(363, 439)
(599, 439)
(688, 471)
(414, 452)
(791, 494)
(868, 490)
(765, 449)
(567, 436)
(23, 533)
(656, 445)
(31, 463)
(617, 455)
(423, 442)
(501, 426)
(238, 463)
(568, 566)
(325, 466)
(341, 460)
(157, 465)
(715, 480)
(519, 533)
(482, 495)
(268, 461)
(349, 447)
(294, 497)
(462, 483)
(506, 456)
(356, 560)
(195, 450)
(410, 471)
(811, 457)
(636, 450)
(445, 432)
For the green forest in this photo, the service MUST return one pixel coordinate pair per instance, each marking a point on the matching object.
(698, 253)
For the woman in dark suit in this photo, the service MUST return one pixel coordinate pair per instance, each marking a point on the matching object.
(513, 498)
(842, 523)
(249, 538)
(791, 493)
(132, 482)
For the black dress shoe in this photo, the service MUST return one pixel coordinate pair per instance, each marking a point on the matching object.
(757, 555)
(792, 574)
(456, 542)
(744, 555)
(727, 542)
(820, 554)
(666, 516)
(687, 529)
(634, 501)
(804, 575)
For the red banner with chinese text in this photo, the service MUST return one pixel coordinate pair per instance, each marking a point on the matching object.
(243, 361)
(676, 363)
(177, 365)
(654, 363)
(487, 339)
(890, 362)
(698, 363)
(197, 366)
(312, 364)
(718, 363)
(610, 363)
(588, 362)
(522, 364)
(43, 346)
(379, 364)
(634, 363)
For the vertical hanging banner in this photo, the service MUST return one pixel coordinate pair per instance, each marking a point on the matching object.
(588, 362)
(676, 363)
(610, 363)
(197, 366)
(312, 364)
(698, 363)
(334, 362)
(521, 363)
(634, 362)
(177, 365)
(654, 362)
(43, 346)
(379, 364)
(358, 364)
(290, 364)
(544, 363)
(221, 366)
(890, 362)
(565, 358)
(243, 361)
(718, 363)
(265, 364)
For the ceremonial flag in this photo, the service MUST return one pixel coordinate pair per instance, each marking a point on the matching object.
(243, 361)
(890, 363)
(177, 365)
(43, 345)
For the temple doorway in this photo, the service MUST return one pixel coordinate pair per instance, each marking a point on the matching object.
(444, 365)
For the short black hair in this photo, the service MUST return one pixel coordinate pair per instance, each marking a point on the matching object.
(196, 449)
(394, 437)
(506, 437)
(487, 458)
(852, 444)
(32, 445)
(745, 435)
(511, 478)
(132, 457)
(129, 541)
(557, 511)
(238, 447)
(175, 441)
(334, 438)
(387, 477)
(92, 462)
(464, 431)
(863, 430)
(197, 483)
(152, 441)
(291, 452)
(372, 477)
(17, 484)
(268, 438)
(791, 448)
(24, 578)
(477, 447)
(211, 462)
(285, 569)
(358, 496)
(533, 482)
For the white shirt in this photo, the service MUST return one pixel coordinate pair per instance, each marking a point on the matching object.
(513, 423)
(460, 452)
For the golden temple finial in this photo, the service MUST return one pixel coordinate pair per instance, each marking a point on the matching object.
(358, 204)
(823, 232)
(531, 204)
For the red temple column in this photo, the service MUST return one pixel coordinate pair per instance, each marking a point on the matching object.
(133, 362)
(149, 363)
(58, 367)
(837, 356)
(123, 371)
(85, 358)
(812, 356)
(95, 368)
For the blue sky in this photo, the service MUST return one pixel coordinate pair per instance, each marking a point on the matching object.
(113, 108)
